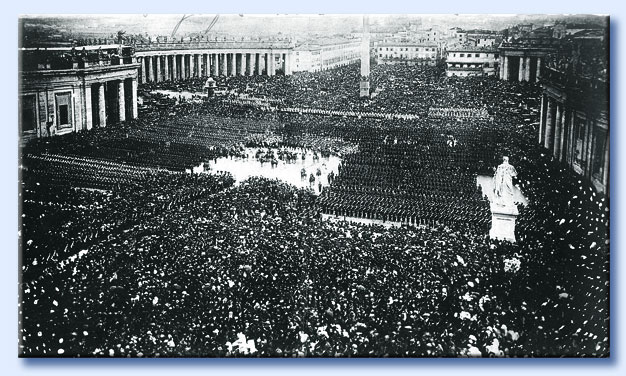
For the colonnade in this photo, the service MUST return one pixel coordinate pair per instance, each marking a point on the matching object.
(528, 68)
(160, 66)
(103, 101)
(574, 136)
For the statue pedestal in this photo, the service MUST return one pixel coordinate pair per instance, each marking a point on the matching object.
(503, 222)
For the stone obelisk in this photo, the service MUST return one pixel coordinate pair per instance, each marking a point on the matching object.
(365, 60)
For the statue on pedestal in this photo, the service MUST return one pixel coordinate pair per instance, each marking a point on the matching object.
(503, 183)
(503, 209)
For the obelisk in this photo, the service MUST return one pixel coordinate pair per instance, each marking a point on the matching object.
(365, 59)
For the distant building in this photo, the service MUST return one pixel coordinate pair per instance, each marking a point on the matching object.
(64, 89)
(408, 53)
(326, 54)
(574, 122)
(482, 38)
(471, 61)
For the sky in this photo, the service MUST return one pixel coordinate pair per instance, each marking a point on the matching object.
(286, 24)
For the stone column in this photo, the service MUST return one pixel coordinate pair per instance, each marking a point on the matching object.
(538, 68)
(506, 68)
(284, 63)
(174, 68)
(266, 63)
(192, 66)
(242, 64)
(102, 115)
(183, 74)
(134, 96)
(288, 70)
(149, 69)
(570, 143)
(158, 68)
(121, 100)
(224, 71)
(563, 127)
(166, 66)
(87, 94)
(557, 132)
(143, 69)
(257, 64)
(249, 65)
(205, 65)
(502, 67)
(520, 76)
(542, 120)
(527, 70)
(232, 70)
(549, 127)
(213, 58)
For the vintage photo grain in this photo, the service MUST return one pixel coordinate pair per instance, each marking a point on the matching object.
(316, 185)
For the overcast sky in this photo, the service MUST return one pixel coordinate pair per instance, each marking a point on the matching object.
(254, 24)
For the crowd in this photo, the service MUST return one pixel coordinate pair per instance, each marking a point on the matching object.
(145, 260)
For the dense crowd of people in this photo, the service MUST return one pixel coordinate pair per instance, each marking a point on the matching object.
(125, 254)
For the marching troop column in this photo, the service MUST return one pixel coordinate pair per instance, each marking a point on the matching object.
(102, 118)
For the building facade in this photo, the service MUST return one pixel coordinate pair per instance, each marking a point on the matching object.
(521, 59)
(574, 122)
(326, 54)
(469, 61)
(64, 90)
(407, 53)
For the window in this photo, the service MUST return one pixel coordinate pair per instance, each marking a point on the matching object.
(461, 55)
(476, 55)
(63, 110)
(28, 113)
(64, 117)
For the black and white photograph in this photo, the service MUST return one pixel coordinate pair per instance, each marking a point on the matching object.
(313, 185)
